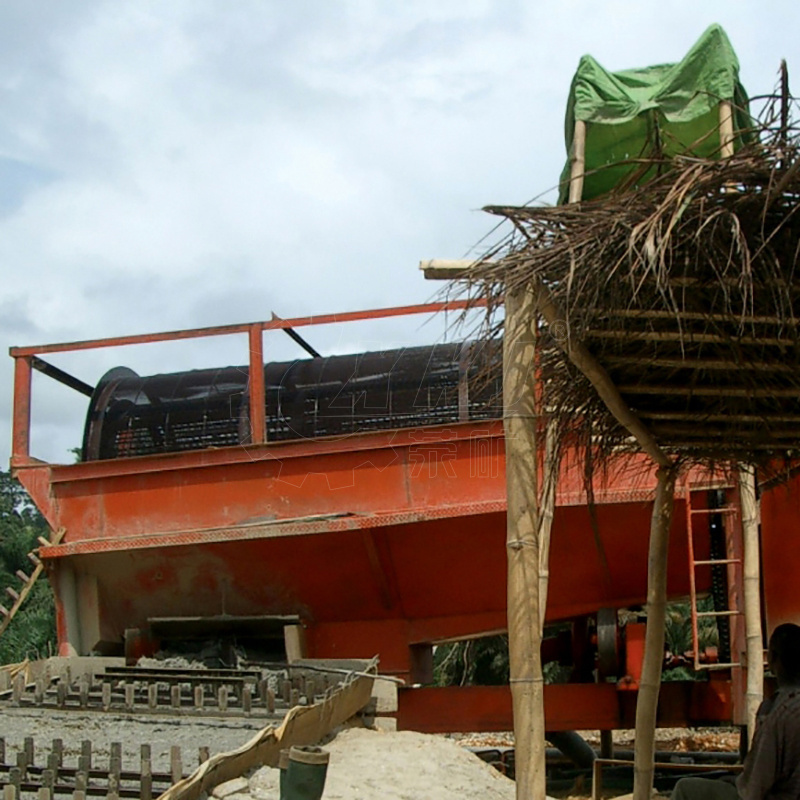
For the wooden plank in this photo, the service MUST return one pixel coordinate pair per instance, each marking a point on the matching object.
(445, 269)
(303, 725)
(295, 640)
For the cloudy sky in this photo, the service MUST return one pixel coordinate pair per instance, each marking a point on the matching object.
(198, 162)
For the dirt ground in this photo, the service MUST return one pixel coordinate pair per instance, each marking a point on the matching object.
(131, 731)
(681, 740)
(365, 764)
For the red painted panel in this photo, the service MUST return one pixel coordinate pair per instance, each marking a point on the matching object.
(455, 709)
(576, 706)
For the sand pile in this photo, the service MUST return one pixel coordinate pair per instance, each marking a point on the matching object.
(372, 765)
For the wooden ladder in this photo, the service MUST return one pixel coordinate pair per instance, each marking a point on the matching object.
(19, 597)
(730, 511)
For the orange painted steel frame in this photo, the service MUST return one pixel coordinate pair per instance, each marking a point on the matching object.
(254, 330)
(381, 542)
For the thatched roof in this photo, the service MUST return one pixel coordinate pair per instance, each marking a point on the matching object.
(686, 292)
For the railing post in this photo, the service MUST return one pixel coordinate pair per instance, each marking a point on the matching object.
(20, 438)
(258, 400)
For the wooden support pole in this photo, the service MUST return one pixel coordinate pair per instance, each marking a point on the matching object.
(522, 543)
(546, 512)
(725, 129)
(752, 597)
(647, 701)
(578, 162)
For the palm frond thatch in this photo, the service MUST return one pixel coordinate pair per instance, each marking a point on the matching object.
(686, 291)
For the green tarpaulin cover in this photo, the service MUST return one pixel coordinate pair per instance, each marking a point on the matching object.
(674, 107)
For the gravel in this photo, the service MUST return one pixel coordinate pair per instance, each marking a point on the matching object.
(130, 730)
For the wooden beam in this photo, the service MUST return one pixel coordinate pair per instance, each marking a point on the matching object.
(629, 313)
(588, 365)
(670, 431)
(707, 391)
(715, 283)
(718, 445)
(699, 363)
(444, 269)
(688, 416)
(688, 337)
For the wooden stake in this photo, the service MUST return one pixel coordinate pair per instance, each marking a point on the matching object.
(752, 596)
(647, 701)
(175, 763)
(522, 543)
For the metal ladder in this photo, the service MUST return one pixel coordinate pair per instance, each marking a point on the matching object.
(731, 512)
(19, 597)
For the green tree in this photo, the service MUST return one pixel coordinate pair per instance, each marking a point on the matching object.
(32, 632)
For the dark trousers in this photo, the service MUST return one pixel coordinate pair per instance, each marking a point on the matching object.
(704, 789)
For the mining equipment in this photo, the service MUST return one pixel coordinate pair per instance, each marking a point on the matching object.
(349, 506)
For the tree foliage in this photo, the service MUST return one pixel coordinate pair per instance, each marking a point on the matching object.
(32, 632)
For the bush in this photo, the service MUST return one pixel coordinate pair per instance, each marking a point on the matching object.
(32, 632)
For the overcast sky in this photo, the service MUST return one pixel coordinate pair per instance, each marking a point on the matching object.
(198, 162)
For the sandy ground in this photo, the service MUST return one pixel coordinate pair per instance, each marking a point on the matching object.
(372, 765)
(365, 764)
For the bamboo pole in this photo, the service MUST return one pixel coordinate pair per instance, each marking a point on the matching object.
(546, 512)
(522, 544)
(647, 701)
(578, 162)
(752, 597)
(725, 129)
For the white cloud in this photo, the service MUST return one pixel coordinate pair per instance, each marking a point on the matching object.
(202, 162)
